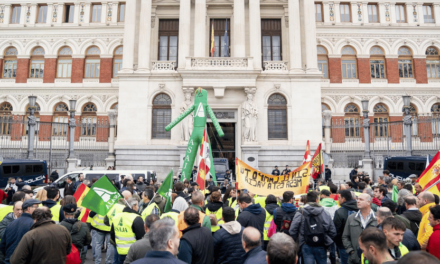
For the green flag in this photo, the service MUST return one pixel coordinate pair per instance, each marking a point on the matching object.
(165, 190)
(395, 193)
(101, 196)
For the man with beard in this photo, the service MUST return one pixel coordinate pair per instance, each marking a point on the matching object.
(373, 244)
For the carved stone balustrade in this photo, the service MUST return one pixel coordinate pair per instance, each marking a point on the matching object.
(161, 66)
(219, 63)
(275, 66)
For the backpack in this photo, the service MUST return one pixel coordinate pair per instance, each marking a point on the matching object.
(314, 233)
(286, 221)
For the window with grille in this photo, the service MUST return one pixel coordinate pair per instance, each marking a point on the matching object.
(318, 12)
(42, 14)
(349, 69)
(377, 63)
(37, 63)
(69, 12)
(161, 116)
(345, 12)
(168, 39)
(121, 14)
(428, 15)
(93, 63)
(432, 63)
(221, 43)
(277, 117)
(405, 63)
(96, 13)
(117, 61)
(373, 16)
(400, 13)
(351, 121)
(5, 118)
(88, 120)
(10, 63)
(15, 14)
(60, 120)
(271, 39)
(323, 61)
(64, 67)
(381, 120)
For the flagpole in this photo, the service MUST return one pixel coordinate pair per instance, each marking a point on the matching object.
(434, 184)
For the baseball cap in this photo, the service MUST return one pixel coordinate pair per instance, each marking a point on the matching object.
(413, 176)
(29, 203)
(69, 208)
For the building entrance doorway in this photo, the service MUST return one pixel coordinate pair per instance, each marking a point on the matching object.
(223, 147)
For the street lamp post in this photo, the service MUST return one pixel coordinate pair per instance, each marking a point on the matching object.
(31, 123)
(407, 123)
(366, 126)
(72, 125)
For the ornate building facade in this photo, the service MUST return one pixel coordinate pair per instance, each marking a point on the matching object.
(275, 66)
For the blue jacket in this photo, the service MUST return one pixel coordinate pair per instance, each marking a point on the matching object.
(228, 247)
(255, 256)
(13, 234)
(162, 257)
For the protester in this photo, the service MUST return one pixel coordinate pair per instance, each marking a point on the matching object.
(141, 247)
(418, 188)
(330, 205)
(179, 205)
(197, 202)
(69, 187)
(348, 207)
(100, 237)
(196, 244)
(17, 210)
(424, 201)
(78, 230)
(354, 226)
(127, 228)
(150, 207)
(418, 257)
(252, 214)
(373, 244)
(53, 194)
(140, 185)
(271, 206)
(251, 242)
(41, 195)
(393, 208)
(328, 174)
(394, 231)
(229, 199)
(214, 210)
(281, 250)
(276, 171)
(12, 235)
(334, 192)
(10, 189)
(380, 193)
(314, 230)
(433, 246)
(45, 242)
(79, 181)
(164, 240)
(412, 213)
(401, 200)
(227, 240)
(284, 215)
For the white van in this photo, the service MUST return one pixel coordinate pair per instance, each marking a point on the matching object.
(92, 174)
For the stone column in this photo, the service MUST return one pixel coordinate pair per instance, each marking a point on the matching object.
(238, 49)
(6, 14)
(200, 41)
(33, 16)
(393, 13)
(31, 136)
(295, 37)
(326, 13)
(327, 117)
(144, 37)
(129, 36)
(337, 10)
(366, 126)
(57, 17)
(76, 14)
(354, 13)
(184, 30)
(420, 16)
(112, 116)
(23, 14)
(255, 32)
(365, 12)
(49, 14)
(310, 36)
(437, 14)
(409, 14)
(115, 12)
(407, 123)
(382, 13)
(104, 9)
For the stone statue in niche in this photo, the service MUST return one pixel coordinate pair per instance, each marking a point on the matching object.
(187, 124)
(249, 117)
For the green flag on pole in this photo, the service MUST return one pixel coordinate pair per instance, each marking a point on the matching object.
(395, 194)
(165, 190)
(211, 166)
(101, 196)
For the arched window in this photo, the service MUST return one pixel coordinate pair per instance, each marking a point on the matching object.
(432, 63)
(277, 117)
(349, 65)
(117, 61)
(37, 63)
(64, 69)
(323, 61)
(37, 118)
(377, 63)
(60, 119)
(161, 116)
(93, 61)
(351, 121)
(88, 120)
(10, 63)
(405, 63)
(5, 118)
(381, 119)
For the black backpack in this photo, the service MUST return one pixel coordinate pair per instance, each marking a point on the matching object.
(314, 233)
(286, 221)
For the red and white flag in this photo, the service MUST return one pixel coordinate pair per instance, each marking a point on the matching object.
(204, 161)
(307, 157)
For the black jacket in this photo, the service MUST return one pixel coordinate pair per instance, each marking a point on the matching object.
(137, 226)
(50, 204)
(69, 189)
(213, 207)
(414, 217)
(78, 231)
(196, 245)
(286, 211)
(328, 174)
(228, 247)
(254, 216)
(340, 219)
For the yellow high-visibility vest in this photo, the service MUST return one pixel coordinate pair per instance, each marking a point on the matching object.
(267, 222)
(218, 215)
(4, 210)
(55, 210)
(172, 215)
(124, 235)
(147, 211)
(98, 223)
(116, 209)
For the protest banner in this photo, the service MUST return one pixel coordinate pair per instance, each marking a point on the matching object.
(260, 183)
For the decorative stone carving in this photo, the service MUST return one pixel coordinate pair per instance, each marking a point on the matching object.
(161, 86)
(249, 116)
(187, 123)
(153, 21)
(366, 123)
(327, 117)
(277, 86)
(54, 13)
(2, 13)
(81, 12)
(275, 65)
(387, 12)
(109, 12)
(423, 98)
(337, 98)
(28, 13)
(359, 5)
(332, 12)
(112, 115)
(415, 12)
(407, 120)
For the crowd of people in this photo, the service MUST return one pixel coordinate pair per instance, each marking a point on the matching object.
(356, 222)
